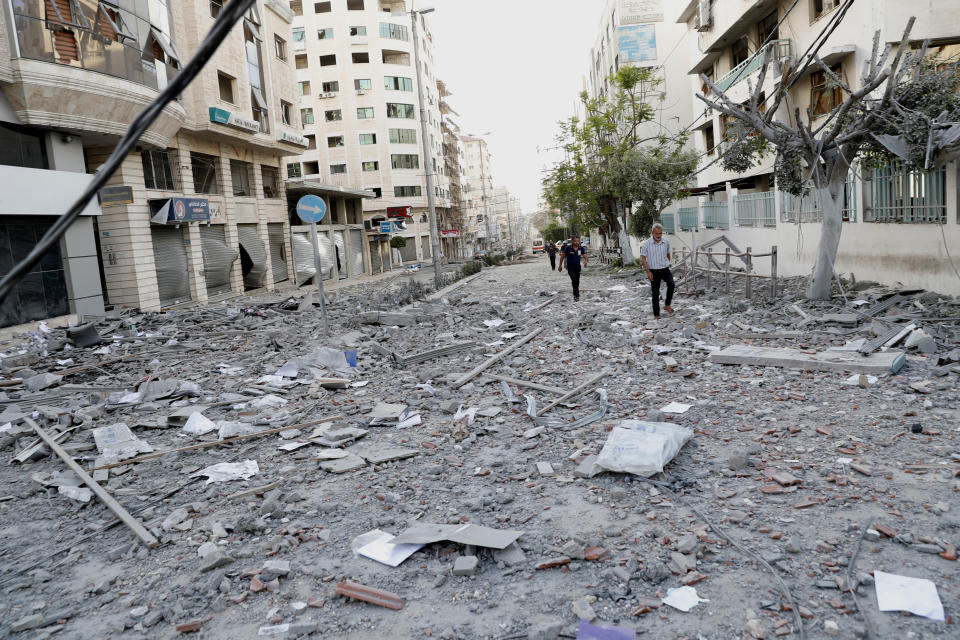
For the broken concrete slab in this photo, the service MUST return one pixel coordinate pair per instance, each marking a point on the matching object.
(875, 363)
(343, 465)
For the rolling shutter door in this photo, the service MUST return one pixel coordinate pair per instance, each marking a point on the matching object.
(427, 247)
(409, 252)
(170, 260)
(252, 244)
(278, 251)
(218, 258)
(303, 256)
(340, 255)
(356, 251)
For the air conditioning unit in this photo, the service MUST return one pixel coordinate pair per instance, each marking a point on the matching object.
(361, 92)
(328, 94)
(704, 16)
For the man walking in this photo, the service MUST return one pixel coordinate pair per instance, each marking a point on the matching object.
(655, 254)
(551, 250)
(570, 254)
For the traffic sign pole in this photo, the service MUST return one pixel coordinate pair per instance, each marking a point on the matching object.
(319, 277)
(312, 209)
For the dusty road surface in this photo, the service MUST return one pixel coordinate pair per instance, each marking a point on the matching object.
(799, 485)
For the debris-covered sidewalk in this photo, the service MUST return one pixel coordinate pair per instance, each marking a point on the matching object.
(491, 461)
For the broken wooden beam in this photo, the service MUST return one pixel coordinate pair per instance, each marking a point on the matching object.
(876, 363)
(132, 523)
(526, 383)
(423, 356)
(358, 591)
(576, 392)
(494, 358)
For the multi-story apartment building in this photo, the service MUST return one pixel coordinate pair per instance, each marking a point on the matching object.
(355, 67)
(892, 217)
(478, 191)
(453, 229)
(504, 212)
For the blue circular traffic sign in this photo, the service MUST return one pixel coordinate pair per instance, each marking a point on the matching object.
(311, 208)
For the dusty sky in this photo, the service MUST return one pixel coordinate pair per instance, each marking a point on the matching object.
(515, 68)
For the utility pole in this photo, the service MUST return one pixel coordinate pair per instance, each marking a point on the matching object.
(424, 144)
(483, 185)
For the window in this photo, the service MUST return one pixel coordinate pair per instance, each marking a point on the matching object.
(368, 138)
(299, 38)
(22, 147)
(226, 87)
(894, 193)
(377, 192)
(405, 161)
(324, 34)
(204, 169)
(364, 113)
(358, 31)
(297, 7)
(396, 110)
(740, 51)
(306, 115)
(294, 170)
(329, 60)
(271, 181)
(335, 141)
(286, 113)
(215, 7)
(311, 168)
(258, 105)
(360, 57)
(240, 175)
(820, 8)
(331, 87)
(395, 83)
(336, 169)
(767, 28)
(333, 115)
(362, 84)
(407, 192)
(321, 7)
(403, 136)
(304, 87)
(825, 93)
(300, 61)
(708, 139)
(396, 57)
(311, 140)
(158, 168)
(371, 166)
(354, 5)
(393, 31)
(280, 46)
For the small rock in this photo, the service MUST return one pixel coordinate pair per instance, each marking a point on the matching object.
(28, 622)
(215, 560)
(582, 609)
(831, 627)
(465, 566)
(755, 629)
(545, 630)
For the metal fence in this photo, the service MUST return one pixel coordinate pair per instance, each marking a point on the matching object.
(806, 208)
(687, 218)
(669, 222)
(716, 215)
(896, 194)
(779, 50)
(755, 209)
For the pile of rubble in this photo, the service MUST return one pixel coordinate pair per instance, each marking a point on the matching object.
(493, 461)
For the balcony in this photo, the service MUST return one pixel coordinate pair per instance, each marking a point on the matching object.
(688, 218)
(668, 220)
(755, 209)
(716, 215)
(779, 50)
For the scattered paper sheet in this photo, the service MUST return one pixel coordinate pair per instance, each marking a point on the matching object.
(479, 536)
(198, 424)
(226, 471)
(683, 598)
(80, 494)
(496, 322)
(409, 421)
(676, 407)
(117, 442)
(377, 545)
(901, 593)
(289, 370)
(268, 400)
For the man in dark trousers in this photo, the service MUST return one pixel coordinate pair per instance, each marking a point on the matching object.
(655, 254)
(570, 254)
(551, 250)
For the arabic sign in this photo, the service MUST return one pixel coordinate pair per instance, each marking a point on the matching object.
(120, 194)
(180, 210)
(292, 138)
(450, 233)
(222, 116)
(638, 43)
(398, 212)
(640, 11)
(311, 208)
(385, 227)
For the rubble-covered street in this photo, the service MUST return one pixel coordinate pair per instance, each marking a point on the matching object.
(258, 464)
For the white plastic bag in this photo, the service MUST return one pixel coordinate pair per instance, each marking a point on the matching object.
(642, 448)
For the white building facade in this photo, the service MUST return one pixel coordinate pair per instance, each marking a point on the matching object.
(478, 191)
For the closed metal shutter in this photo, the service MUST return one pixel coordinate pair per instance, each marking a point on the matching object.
(356, 251)
(218, 258)
(303, 256)
(255, 267)
(170, 260)
(340, 254)
(427, 247)
(278, 251)
(409, 252)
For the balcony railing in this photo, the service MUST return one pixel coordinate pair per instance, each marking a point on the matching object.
(806, 208)
(688, 218)
(779, 50)
(755, 209)
(669, 222)
(716, 215)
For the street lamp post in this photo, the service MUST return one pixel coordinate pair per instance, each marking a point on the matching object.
(483, 186)
(424, 145)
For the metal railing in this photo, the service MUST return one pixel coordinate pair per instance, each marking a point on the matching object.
(755, 209)
(716, 215)
(806, 208)
(897, 194)
(688, 218)
(779, 50)
(669, 222)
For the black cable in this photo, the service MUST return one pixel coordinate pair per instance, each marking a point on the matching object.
(229, 15)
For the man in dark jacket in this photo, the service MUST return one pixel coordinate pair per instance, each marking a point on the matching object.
(570, 254)
(551, 250)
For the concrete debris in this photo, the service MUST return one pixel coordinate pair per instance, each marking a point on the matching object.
(498, 499)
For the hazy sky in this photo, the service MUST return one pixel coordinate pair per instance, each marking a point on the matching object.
(515, 68)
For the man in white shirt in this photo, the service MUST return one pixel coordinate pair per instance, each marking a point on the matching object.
(655, 254)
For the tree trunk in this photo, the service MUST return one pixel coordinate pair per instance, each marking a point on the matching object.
(624, 237)
(831, 206)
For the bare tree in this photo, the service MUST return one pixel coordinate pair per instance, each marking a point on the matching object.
(868, 121)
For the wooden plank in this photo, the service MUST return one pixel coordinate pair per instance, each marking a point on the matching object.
(877, 363)
(526, 383)
(573, 394)
(214, 443)
(132, 523)
(541, 306)
(494, 358)
(423, 356)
